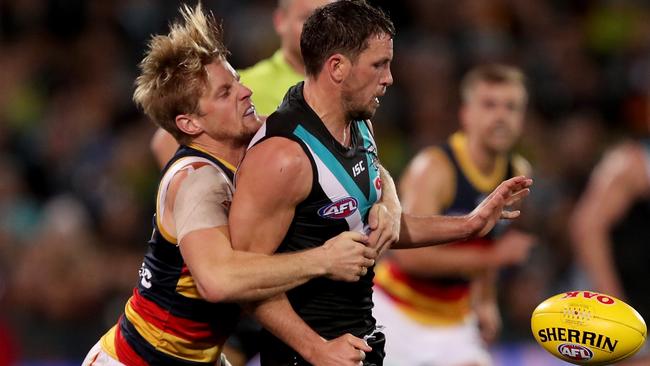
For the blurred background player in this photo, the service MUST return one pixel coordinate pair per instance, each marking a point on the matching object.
(610, 229)
(269, 79)
(431, 298)
(183, 308)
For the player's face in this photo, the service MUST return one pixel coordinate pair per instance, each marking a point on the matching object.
(368, 79)
(290, 19)
(226, 112)
(494, 114)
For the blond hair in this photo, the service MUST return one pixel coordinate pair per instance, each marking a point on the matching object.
(491, 74)
(172, 74)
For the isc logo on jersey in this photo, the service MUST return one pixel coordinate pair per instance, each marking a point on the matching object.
(339, 209)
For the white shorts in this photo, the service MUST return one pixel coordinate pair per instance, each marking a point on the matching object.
(98, 357)
(411, 343)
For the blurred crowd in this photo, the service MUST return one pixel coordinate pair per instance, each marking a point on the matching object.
(77, 179)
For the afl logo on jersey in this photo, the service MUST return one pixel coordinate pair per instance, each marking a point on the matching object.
(339, 209)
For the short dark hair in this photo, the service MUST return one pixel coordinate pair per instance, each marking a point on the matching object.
(340, 27)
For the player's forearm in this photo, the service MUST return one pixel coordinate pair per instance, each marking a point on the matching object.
(253, 277)
(421, 231)
(279, 318)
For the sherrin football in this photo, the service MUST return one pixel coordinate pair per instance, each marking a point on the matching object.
(588, 328)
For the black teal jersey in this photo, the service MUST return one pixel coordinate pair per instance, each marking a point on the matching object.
(166, 322)
(346, 184)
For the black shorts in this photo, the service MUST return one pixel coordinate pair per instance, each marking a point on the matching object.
(274, 352)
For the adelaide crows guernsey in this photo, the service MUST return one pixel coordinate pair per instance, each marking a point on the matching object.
(345, 185)
(166, 322)
(446, 300)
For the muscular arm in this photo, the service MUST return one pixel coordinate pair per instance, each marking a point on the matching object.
(418, 231)
(618, 180)
(426, 188)
(221, 274)
(260, 217)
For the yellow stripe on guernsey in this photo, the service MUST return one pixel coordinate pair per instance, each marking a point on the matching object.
(170, 344)
(480, 181)
(225, 163)
(108, 342)
(186, 287)
(418, 306)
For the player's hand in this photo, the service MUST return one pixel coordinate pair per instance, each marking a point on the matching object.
(513, 247)
(384, 223)
(492, 208)
(347, 256)
(346, 350)
(489, 320)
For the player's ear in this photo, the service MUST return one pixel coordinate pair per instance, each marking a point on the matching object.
(279, 21)
(338, 66)
(188, 124)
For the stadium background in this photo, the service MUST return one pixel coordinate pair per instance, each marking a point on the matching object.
(77, 180)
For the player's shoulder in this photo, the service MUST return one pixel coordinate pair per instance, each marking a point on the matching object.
(278, 152)
(432, 162)
(433, 156)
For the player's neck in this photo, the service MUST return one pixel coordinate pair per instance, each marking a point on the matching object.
(484, 159)
(230, 152)
(294, 62)
(326, 103)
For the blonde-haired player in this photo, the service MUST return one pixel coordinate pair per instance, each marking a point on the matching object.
(182, 309)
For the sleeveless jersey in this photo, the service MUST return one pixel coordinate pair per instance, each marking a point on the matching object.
(630, 238)
(345, 185)
(166, 322)
(445, 300)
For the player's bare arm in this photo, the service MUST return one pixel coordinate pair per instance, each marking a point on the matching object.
(221, 274)
(426, 229)
(615, 184)
(426, 189)
(274, 177)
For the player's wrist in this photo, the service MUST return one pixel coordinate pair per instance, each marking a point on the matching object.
(469, 225)
(318, 262)
(310, 348)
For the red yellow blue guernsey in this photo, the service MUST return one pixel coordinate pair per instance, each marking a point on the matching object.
(446, 300)
(166, 322)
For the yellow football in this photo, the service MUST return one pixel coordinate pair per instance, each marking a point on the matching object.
(588, 328)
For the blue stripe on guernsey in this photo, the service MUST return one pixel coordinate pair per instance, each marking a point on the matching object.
(337, 169)
(372, 158)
